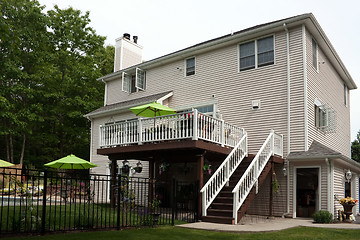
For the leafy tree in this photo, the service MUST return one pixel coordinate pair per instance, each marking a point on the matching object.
(49, 64)
(106, 60)
(72, 89)
(355, 148)
(23, 43)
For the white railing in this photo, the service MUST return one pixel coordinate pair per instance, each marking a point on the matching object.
(223, 173)
(272, 145)
(189, 125)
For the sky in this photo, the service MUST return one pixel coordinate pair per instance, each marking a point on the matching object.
(167, 26)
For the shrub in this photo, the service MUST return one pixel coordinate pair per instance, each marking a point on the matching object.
(323, 217)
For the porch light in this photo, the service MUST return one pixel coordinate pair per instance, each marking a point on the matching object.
(139, 167)
(348, 175)
(284, 170)
(126, 167)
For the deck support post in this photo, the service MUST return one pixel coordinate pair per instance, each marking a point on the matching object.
(113, 183)
(200, 176)
(271, 189)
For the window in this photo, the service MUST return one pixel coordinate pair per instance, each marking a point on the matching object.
(134, 82)
(320, 117)
(345, 94)
(257, 53)
(190, 66)
(325, 117)
(247, 56)
(315, 54)
(347, 189)
(265, 48)
(140, 79)
(206, 109)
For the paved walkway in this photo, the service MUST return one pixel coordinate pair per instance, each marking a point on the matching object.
(261, 224)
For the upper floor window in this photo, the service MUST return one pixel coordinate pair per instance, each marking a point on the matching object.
(346, 92)
(325, 117)
(190, 66)
(133, 82)
(257, 53)
(315, 54)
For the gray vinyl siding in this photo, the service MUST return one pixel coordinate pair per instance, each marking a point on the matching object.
(339, 188)
(260, 205)
(297, 120)
(326, 85)
(217, 73)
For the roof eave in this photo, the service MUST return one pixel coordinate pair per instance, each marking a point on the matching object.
(221, 41)
(330, 51)
(349, 162)
(308, 19)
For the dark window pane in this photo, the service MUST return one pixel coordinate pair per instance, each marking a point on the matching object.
(190, 66)
(265, 51)
(247, 55)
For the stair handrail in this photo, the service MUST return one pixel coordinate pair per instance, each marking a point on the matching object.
(223, 173)
(252, 173)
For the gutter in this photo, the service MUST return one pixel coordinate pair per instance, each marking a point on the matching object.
(306, 148)
(330, 189)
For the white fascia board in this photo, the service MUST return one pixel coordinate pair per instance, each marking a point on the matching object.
(325, 44)
(337, 158)
(160, 100)
(125, 108)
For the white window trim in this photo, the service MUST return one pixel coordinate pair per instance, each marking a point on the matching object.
(185, 66)
(125, 78)
(317, 55)
(137, 79)
(256, 53)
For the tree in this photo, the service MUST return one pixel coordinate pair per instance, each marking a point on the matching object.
(355, 148)
(23, 45)
(72, 89)
(49, 64)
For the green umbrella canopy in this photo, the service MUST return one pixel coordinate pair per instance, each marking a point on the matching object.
(70, 162)
(153, 109)
(5, 163)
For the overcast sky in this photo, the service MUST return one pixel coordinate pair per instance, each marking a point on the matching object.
(167, 26)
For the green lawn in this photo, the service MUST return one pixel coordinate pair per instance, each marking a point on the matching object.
(174, 233)
(71, 216)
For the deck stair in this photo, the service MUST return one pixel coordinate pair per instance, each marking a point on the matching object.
(221, 210)
(232, 201)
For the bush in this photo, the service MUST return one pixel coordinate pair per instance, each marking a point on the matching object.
(323, 217)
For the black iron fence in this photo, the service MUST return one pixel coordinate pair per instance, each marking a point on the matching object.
(37, 202)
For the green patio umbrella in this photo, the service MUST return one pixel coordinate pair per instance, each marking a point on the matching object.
(153, 109)
(5, 163)
(70, 162)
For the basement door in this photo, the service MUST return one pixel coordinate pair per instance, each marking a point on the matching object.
(307, 191)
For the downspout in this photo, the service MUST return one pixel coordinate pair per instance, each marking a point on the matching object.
(288, 118)
(328, 184)
(331, 187)
(305, 89)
